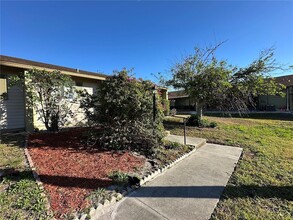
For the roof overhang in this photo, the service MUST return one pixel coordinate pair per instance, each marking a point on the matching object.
(27, 64)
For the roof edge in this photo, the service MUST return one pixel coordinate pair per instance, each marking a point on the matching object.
(29, 64)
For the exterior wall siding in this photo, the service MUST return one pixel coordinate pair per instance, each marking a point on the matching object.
(12, 109)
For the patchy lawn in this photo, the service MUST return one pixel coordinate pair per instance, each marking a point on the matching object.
(20, 197)
(261, 186)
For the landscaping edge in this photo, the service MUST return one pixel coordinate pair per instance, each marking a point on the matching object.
(37, 178)
(99, 209)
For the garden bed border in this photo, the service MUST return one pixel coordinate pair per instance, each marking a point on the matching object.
(36, 176)
(97, 210)
(100, 209)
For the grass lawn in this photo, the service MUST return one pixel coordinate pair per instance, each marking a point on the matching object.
(261, 186)
(20, 198)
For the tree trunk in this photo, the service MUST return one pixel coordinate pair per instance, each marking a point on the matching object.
(47, 125)
(54, 123)
(199, 110)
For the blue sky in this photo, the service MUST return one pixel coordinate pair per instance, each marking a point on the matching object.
(149, 36)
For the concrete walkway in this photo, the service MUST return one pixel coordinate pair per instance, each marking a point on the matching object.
(197, 142)
(189, 190)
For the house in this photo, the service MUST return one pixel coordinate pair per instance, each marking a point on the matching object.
(274, 102)
(15, 113)
(181, 100)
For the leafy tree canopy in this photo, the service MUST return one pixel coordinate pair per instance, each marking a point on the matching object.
(214, 82)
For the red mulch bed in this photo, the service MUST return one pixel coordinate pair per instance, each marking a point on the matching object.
(70, 171)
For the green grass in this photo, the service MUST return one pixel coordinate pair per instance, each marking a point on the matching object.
(169, 152)
(20, 197)
(11, 154)
(261, 186)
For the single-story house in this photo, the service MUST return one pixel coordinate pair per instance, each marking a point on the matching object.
(15, 114)
(274, 102)
(181, 100)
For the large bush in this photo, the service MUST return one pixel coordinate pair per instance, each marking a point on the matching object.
(195, 120)
(49, 94)
(123, 107)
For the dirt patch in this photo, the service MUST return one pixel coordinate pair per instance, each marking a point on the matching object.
(70, 171)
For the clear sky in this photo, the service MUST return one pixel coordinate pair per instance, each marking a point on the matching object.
(149, 36)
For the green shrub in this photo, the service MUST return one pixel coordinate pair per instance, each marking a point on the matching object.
(213, 124)
(204, 123)
(99, 196)
(194, 120)
(172, 145)
(123, 107)
(118, 177)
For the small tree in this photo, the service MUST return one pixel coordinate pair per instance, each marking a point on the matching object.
(215, 83)
(123, 106)
(49, 94)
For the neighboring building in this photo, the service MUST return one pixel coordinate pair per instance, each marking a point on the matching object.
(181, 100)
(14, 113)
(274, 102)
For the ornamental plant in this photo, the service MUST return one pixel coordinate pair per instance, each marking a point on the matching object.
(50, 94)
(124, 107)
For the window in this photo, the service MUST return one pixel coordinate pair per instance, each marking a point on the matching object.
(79, 83)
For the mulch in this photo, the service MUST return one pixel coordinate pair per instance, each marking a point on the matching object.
(70, 171)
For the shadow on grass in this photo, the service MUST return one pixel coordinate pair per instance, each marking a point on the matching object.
(260, 115)
(286, 116)
(13, 139)
(281, 192)
(62, 181)
(16, 175)
(243, 191)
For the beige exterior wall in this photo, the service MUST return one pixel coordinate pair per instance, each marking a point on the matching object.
(3, 86)
(79, 116)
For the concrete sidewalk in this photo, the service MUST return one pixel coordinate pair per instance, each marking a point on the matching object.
(189, 190)
(197, 142)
